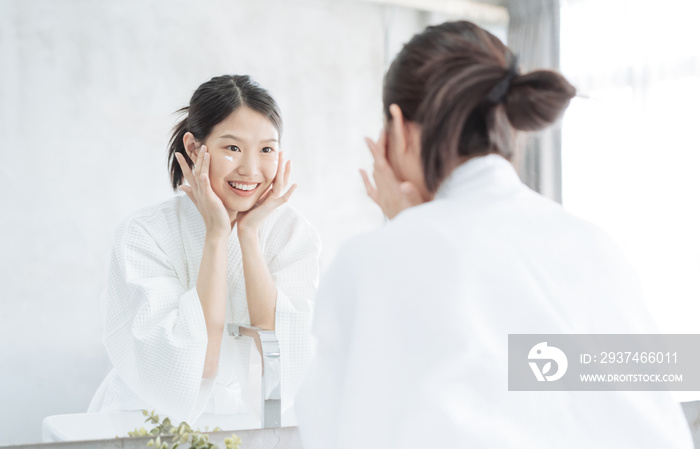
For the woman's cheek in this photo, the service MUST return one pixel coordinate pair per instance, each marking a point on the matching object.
(217, 168)
(271, 169)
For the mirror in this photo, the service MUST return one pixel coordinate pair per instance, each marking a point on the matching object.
(88, 94)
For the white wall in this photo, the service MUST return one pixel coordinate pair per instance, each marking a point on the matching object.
(87, 92)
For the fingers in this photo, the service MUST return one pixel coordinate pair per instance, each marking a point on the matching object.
(378, 153)
(270, 197)
(287, 172)
(199, 177)
(186, 171)
(277, 185)
(282, 176)
(200, 162)
(382, 140)
(383, 174)
(204, 169)
(188, 192)
(264, 197)
(372, 147)
(382, 146)
(284, 198)
(371, 191)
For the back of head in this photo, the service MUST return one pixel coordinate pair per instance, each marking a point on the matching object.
(461, 84)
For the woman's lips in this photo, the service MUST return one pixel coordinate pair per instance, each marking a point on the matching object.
(239, 190)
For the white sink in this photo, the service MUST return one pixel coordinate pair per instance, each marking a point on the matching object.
(99, 426)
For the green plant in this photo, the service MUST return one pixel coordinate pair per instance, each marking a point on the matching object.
(181, 436)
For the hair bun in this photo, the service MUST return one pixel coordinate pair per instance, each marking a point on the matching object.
(537, 99)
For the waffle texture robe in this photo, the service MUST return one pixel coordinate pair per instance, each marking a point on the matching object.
(412, 324)
(154, 328)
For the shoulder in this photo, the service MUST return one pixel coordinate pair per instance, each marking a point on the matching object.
(155, 212)
(152, 222)
(405, 268)
(409, 243)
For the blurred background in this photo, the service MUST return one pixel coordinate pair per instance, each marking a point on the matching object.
(88, 89)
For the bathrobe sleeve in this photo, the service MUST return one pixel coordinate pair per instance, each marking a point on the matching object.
(155, 333)
(318, 407)
(293, 252)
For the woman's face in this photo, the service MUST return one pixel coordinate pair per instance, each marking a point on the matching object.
(244, 157)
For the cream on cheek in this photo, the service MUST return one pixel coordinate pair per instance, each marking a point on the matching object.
(269, 170)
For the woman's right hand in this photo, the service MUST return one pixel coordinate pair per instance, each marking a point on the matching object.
(215, 215)
(390, 194)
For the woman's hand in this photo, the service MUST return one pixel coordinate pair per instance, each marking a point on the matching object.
(211, 279)
(249, 221)
(391, 195)
(215, 215)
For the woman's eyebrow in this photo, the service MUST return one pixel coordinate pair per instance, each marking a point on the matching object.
(231, 136)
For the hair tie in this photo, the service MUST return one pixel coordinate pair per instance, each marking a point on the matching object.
(498, 92)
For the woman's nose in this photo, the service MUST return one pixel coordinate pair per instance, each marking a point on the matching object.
(248, 165)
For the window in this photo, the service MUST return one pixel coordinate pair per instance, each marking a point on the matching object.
(630, 143)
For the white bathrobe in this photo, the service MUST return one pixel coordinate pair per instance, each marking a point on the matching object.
(412, 324)
(154, 326)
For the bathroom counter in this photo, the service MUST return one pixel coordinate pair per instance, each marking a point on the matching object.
(280, 438)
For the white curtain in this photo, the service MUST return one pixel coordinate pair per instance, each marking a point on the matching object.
(631, 152)
(533, 34)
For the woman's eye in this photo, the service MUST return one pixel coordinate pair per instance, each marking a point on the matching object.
(267, 150)
(233, 148)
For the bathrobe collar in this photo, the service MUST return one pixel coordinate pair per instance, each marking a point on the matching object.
(492, 169)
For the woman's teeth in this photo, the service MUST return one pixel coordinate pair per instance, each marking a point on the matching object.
(239, 186)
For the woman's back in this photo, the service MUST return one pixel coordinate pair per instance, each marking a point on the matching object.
(422, 309)
(413, 320)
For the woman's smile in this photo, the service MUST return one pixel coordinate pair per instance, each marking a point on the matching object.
(244, 188)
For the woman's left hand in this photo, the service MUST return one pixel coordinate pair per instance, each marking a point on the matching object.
(249, 222)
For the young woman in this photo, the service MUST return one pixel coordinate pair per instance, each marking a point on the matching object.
(412, 320)
(227, 251)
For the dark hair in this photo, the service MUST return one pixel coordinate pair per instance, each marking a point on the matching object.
(210, 104)
(442, 79)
